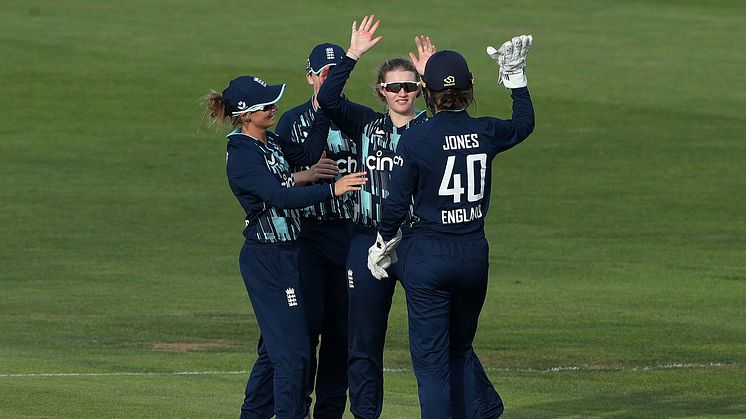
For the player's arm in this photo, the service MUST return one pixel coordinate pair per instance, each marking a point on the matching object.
(325, 169)
(401, 187)
(308, 152)
(511, 132)
(248, 171)
(284, 128)
(349, 117)
(511, 58)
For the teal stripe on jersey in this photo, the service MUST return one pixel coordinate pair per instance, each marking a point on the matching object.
(340, 149)
(277, 224)
(377, 153)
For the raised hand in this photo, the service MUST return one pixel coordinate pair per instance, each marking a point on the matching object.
(425, 49)
(351, 182)
(511, 57)
(362, 39)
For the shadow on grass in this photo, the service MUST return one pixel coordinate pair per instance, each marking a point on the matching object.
(640, 404)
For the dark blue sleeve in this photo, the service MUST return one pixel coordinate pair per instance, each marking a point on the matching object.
(309, 152)
(509, 133)
(349, 117)
(247, 170)
(403, 181)
(285, 126)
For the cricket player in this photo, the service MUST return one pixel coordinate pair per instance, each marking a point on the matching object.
(445, 165)
(258, 169)
(377, 135)
(323, 244)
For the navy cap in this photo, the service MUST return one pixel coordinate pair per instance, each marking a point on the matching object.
(447, 70)
(249, 94)
(323, 55)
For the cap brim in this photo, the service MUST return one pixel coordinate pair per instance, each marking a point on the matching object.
(312, 71)
(273, 94)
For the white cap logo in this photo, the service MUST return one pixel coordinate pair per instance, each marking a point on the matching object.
(241, 105)
(330, 53)
(260, 81)
(449, 81)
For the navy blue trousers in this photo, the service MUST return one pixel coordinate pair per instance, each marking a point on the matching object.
(323, 248)
(446, 283)
(323, 254)
(270, 273)
(369, 306)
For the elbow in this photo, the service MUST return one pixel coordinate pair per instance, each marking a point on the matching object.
(325, 100)
(328, 100)
(530, 127)
(526, 127)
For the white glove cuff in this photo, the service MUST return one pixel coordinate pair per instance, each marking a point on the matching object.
(513, 81)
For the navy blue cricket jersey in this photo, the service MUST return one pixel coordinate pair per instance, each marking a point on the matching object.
(295, 124)
(260, 177)
(377, 139)
(447, 168)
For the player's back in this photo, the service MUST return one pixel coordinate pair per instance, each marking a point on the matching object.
(452, 155)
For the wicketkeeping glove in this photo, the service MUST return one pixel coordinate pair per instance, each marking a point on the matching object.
(511, 57)
(382, 255)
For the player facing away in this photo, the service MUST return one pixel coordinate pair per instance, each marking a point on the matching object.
(445, 165)
(323, 244)
(258, 169)
(377, 135)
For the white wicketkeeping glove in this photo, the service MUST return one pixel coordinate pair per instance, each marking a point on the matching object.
(511, 57)
(382, 255)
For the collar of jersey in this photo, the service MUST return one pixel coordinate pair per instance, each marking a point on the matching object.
(237, 133)
(448, 112)
(389, 124)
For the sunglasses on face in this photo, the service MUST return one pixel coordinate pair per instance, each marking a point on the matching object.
(396, 86)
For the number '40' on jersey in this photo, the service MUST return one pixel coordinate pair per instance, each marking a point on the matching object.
(446, 167)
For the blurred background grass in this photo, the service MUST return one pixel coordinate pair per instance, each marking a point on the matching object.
(618, 230)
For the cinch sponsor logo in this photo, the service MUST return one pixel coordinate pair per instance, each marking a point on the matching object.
(379, 162)
(348, 165)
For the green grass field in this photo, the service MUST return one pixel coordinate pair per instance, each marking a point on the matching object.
(617, 231)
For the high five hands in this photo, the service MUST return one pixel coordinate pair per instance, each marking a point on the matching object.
(425, 49)
(362, 39)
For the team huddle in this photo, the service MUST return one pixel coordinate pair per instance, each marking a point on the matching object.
(343, 201)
